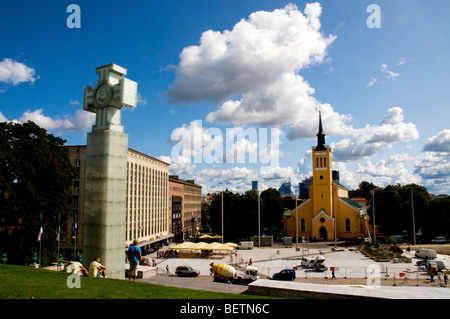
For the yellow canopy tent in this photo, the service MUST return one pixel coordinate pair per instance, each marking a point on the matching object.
(202, 246)
(185, 245)
(217, 246)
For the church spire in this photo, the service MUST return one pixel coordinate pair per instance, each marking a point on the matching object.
(321, 136)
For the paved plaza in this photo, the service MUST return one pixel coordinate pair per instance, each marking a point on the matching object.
(351, 270)
(348, 262)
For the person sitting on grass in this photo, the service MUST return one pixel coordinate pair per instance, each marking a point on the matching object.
(96, 269)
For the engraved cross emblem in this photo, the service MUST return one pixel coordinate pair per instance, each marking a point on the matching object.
(112, 92)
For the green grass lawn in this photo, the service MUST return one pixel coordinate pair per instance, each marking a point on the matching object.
(19, 282)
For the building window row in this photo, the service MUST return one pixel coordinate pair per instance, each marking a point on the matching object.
(146, 201)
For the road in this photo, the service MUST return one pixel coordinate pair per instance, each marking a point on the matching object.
(200, 283)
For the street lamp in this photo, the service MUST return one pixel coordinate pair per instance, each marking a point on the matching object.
(222, 217)
(374, 225)
(414, 224)
(259, 220)
(296, 220)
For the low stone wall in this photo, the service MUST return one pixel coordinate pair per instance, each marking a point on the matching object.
(264, 287)
(143, 271)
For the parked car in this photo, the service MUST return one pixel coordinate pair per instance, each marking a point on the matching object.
(439, 240)
(421, 263)
(285, 274)
(186, 271)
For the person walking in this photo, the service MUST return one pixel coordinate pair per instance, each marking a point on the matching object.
(134, 256)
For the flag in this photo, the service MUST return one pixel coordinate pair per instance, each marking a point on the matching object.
(58, 230)
(41, 230)
(74, 229)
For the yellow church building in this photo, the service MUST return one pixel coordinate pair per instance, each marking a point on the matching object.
(328, 214)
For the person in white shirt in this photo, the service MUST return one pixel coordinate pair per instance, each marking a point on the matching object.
(96, 269)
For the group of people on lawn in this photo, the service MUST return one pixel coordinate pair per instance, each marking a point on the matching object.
(96, 269)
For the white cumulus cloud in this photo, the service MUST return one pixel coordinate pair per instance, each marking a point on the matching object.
(438, 143)
(434, 163)
(253, 71)
(82, 121)
(3, 118)
(15, 72)
(366, 141)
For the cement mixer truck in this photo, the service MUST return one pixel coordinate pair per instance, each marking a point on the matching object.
(229, 274)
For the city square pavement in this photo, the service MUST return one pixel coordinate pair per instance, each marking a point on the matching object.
(348, 263)
(351, 272)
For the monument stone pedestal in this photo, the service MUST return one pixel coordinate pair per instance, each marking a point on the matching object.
(104, 221)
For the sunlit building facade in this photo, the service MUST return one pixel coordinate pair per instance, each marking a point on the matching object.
(147, 209)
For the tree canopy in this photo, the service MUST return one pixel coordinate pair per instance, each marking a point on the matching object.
(393, 212)
(36, 180)
(396, 215)
(241, 213)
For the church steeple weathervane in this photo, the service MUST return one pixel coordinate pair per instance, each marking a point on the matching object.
(321, 136)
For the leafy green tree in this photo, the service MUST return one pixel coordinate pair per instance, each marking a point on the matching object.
(249, 213)
(272, 214)
(205, 216)
(36, 179)
(436, 222)
(288, 202)
(364, 185)
(241, 214)
(394, 210)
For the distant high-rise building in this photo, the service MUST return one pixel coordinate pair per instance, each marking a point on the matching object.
(304, 188)
(285, 189)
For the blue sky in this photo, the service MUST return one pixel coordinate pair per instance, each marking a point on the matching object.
(211, 66)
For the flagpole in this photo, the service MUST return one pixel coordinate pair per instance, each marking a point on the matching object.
(58, 230)
(40, 239)
(412, 206)
(222, 217)
(40, 251)
(75, 237)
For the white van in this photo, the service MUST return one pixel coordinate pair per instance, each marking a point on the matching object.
(245, 245)
(426, 253)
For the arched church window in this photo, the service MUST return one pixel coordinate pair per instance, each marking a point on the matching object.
(347, 225)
